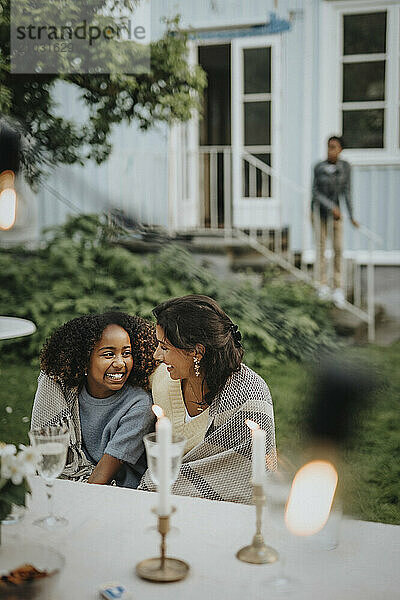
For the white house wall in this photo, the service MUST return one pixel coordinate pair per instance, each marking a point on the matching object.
(296, 133)
(135, 178)
(376, 205)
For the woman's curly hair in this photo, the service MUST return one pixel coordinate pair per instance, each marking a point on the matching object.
(65, 355)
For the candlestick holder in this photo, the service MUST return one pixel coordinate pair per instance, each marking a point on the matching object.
(162, 569)
(258, 552)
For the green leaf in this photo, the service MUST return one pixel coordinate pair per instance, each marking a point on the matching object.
(14, 494)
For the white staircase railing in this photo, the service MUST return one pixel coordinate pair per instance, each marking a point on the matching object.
(259, 180)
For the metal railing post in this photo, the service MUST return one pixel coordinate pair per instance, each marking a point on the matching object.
(371, 292)
(214, 190)
(227, 194)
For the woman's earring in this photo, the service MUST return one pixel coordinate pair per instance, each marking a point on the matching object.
(196, 364)
(85, 373)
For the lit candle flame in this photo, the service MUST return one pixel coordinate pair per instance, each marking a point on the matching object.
(158, 411)
(311, 497)
(252, 424)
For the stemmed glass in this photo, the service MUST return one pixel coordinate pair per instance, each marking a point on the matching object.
(176, 452)
(278, 484)
(177, 448)
(52, 443)
(299, 502)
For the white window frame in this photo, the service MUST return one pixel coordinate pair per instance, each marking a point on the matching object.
(331, 79)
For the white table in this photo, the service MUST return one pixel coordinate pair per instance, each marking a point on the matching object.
(14, 327)
(106, 537)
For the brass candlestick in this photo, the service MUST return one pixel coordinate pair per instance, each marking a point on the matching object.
(162, 569)
(258, 552)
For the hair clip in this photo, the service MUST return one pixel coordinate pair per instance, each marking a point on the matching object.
(237, 336)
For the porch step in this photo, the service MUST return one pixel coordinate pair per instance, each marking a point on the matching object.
(348, 324)
(210, 240)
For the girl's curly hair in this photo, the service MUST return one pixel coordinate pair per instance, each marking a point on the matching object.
(65, 355)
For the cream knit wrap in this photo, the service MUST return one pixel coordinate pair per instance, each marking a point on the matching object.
(56, 404)
(219, 467)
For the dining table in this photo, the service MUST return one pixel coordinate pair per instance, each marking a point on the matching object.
(15, 327)
(111, 529)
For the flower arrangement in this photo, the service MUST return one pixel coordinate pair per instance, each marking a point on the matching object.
(14, 470)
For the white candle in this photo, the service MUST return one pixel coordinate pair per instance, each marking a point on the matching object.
(164, 436)
(258, 452)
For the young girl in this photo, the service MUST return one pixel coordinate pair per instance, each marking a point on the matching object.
(95, 377)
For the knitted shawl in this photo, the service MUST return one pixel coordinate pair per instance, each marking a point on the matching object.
(219, 468)
(56, 404)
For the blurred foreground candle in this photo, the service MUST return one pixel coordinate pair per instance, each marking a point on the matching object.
(258, 454)
(164, 437)
(311, 498)
(8, 200)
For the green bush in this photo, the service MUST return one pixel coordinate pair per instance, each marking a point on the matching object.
(82, 269)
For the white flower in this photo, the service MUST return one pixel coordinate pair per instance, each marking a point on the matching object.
(7, 464)
(29, 458)
(7, 450)
(17, 473)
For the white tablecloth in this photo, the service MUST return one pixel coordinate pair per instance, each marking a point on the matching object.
(107, 536)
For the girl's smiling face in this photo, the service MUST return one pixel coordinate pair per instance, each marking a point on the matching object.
(110, 362)
(179, 362)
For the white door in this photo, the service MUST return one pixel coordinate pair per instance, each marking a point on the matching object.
(255, 126)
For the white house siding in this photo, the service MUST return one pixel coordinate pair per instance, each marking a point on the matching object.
(295, 133)
(135, 178)
(376, 191)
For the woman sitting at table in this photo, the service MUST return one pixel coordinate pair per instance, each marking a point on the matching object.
(94, 376)
(202, 350)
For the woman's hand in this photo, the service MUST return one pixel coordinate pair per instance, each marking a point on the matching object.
(105, 470)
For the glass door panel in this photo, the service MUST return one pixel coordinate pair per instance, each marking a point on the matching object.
(255, 104)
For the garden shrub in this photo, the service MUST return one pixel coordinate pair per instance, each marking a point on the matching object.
(82, 269)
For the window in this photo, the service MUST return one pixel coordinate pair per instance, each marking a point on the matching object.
(257, 119)
(364, 62)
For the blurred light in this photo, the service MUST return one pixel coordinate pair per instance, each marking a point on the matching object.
(311, 498)
(8, 200)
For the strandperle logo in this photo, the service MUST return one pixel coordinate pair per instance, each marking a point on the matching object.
(89, 36)
(83, 31)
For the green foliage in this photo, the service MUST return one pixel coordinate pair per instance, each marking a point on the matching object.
(169, 92)
(82, 270)
(12, 494)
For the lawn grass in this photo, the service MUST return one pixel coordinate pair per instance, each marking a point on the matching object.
(372, 465)
(17, 390)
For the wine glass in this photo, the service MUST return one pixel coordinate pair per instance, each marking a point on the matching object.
(176, 450)
(52, 443)
(177, 447)
(278, 484)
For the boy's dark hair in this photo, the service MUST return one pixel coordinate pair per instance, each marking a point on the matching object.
(337, 138)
